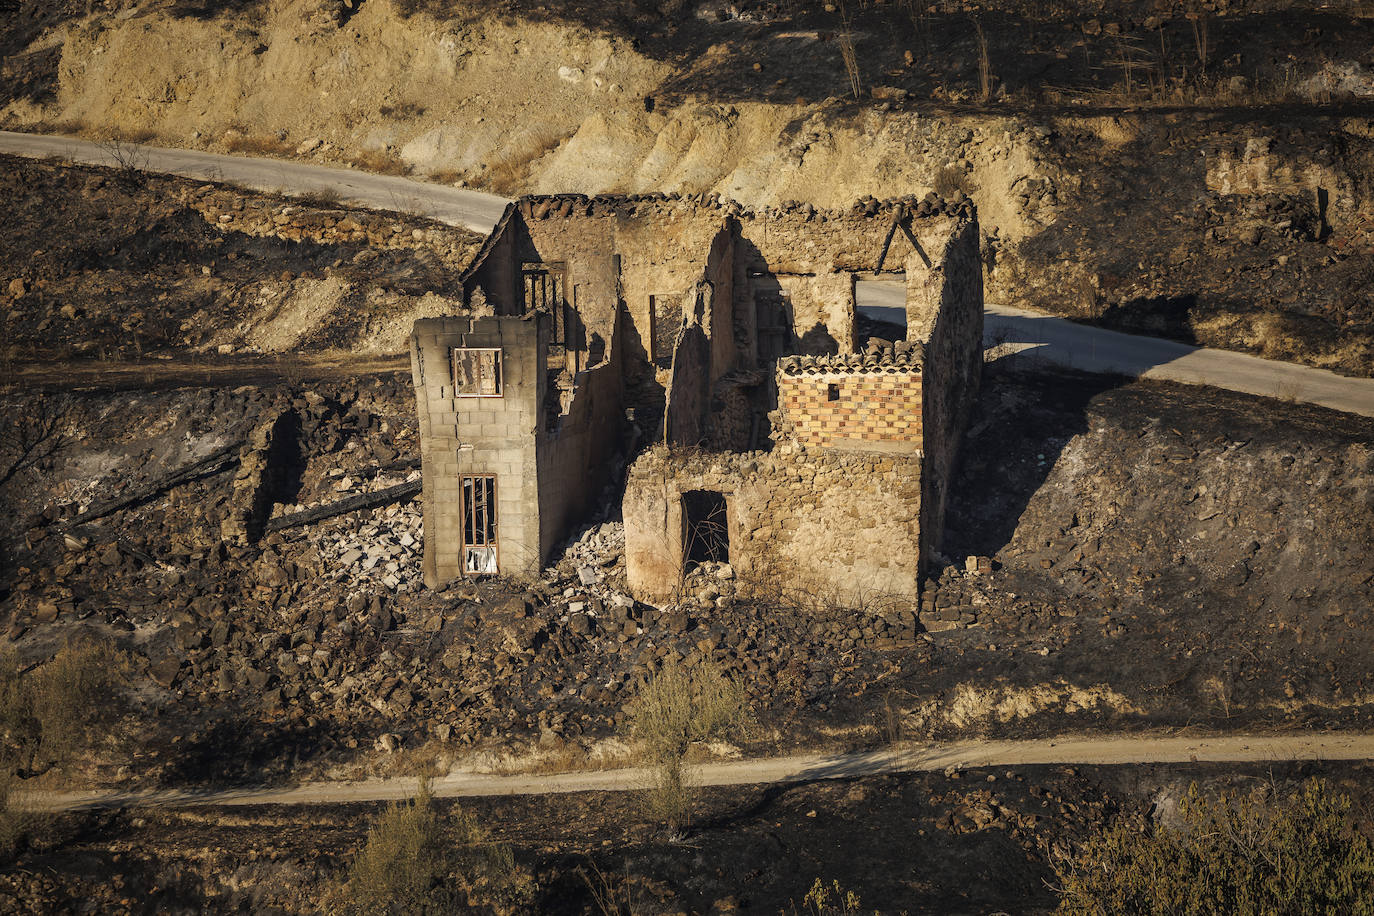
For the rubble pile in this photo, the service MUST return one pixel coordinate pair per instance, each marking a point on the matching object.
(382, 552)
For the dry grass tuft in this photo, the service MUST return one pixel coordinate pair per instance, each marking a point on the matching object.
(383, 162)
(509, 174)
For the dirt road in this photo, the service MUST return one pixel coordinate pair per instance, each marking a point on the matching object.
(1024, 335)
(798, 768)
(95, 375)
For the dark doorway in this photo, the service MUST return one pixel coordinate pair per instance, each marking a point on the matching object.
(707, 535)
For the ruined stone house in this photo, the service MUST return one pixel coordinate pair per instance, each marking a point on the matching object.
(777, 425)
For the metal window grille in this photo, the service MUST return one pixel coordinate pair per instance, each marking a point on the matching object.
(479, 524)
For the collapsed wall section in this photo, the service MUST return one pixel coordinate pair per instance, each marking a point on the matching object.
(576, 452)
(800, 525)
(798, 267)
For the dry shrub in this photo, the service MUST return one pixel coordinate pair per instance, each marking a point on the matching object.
(834, 900)
(1300, 855)
(985, 77)
(447, 176)
(417, 862)
(321, 198)
(257, 146)
(848, 54)
(508, 174)
(950, 181)
(383, 162)
(677, 708)
(46, 714)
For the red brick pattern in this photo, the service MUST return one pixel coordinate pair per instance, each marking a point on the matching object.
(868, 407)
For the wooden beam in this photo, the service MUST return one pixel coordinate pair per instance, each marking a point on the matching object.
(217, 461)
(385, 497)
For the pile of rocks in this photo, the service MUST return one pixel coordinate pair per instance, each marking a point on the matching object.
(383, 551)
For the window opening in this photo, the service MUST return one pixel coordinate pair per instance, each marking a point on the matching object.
(479, 524)
(773, 319)
(880, 309)
(665, 318)
(543, 284)
(476, 372)
(707, 536)
(832, 392)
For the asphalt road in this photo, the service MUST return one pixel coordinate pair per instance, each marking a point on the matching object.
(906, 758)
(473, 209)
(1024, 336)
(1020, 335)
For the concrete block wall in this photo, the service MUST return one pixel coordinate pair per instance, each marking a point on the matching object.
(462, 436)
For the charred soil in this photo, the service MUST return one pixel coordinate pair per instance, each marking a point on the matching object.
(1152, 556)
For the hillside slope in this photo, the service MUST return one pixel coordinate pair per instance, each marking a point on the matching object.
(1202, 175)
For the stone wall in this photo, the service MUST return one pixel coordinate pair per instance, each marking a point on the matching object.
(953, 355)
(649, 251)
(804, 525)
(681, 286)
(491, 281)
(267, 218)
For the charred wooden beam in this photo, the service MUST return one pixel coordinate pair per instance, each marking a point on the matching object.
(215, 462)
(352, 504)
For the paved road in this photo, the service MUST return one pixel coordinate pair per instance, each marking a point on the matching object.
(1023, 335)
(472, 209)
(1027, 336)
(800, 768)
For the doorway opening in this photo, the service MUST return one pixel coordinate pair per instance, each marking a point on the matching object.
(707, 531)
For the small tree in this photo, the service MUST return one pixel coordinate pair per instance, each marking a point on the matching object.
(1231, 857)
(677, 708)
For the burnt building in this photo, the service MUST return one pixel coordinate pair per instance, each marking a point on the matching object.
(777, 423)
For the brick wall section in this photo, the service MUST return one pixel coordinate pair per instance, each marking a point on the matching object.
(872, 410)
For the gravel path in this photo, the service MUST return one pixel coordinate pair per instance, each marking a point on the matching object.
(906, 758)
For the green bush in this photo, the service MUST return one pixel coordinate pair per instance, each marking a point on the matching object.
(415, 862)
(1230, 856)
(676, 708)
